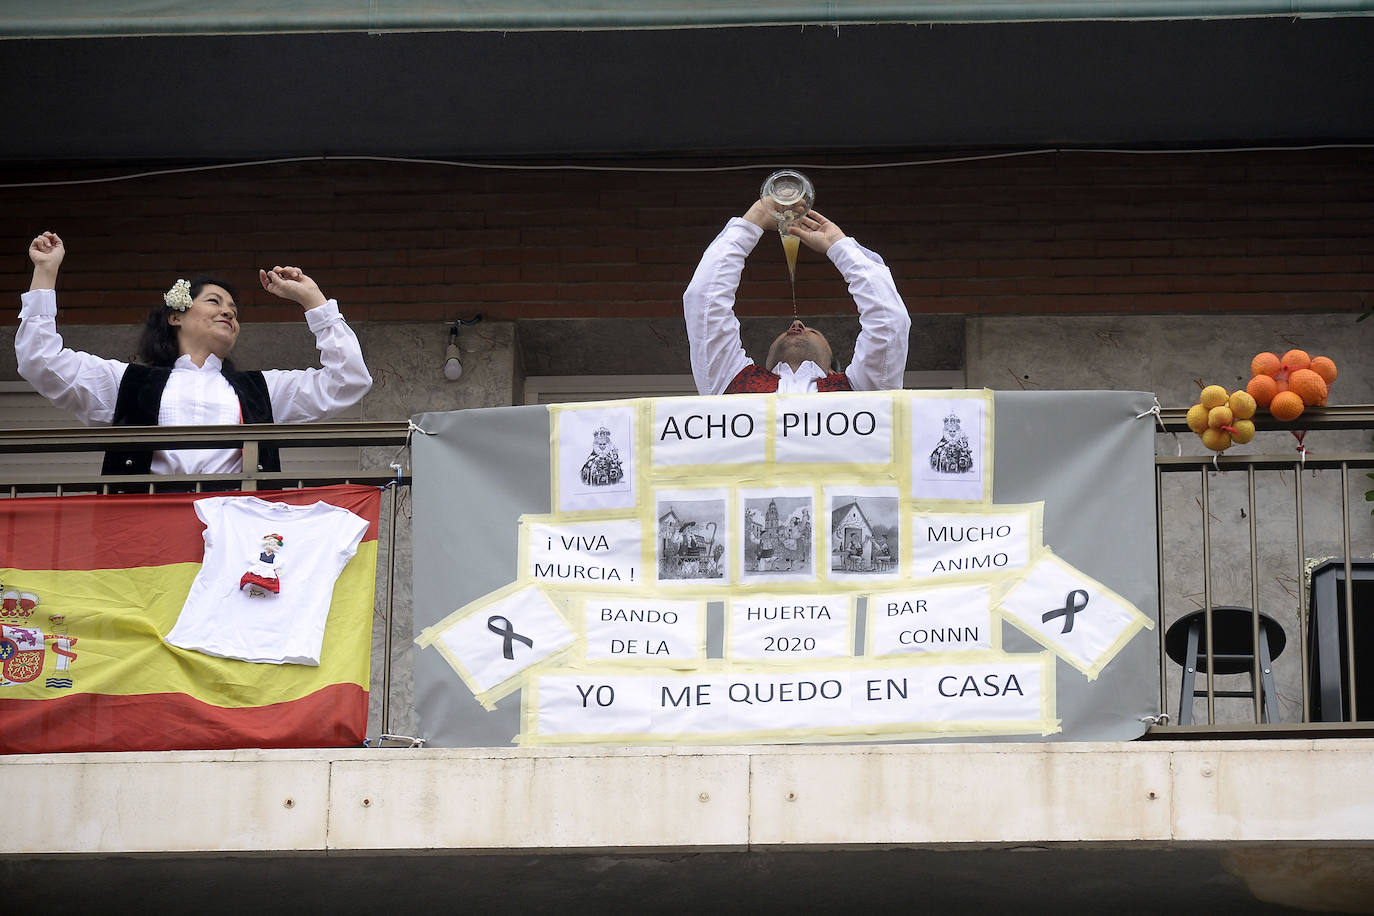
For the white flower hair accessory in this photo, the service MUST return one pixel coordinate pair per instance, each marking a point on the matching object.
(179, 296)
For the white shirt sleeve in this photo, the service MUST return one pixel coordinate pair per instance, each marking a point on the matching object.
(84, 384)
(209, 511)
(302, 395)
(884, 324)
(708, 305)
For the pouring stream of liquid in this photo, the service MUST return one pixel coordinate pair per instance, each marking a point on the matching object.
(790, 246)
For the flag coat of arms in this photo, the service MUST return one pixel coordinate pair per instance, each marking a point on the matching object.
(90, 586)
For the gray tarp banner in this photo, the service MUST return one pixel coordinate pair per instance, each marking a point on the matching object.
(103, 18)
(1070, 472)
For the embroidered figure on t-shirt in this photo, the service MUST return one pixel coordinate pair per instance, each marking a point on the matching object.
(263, 577)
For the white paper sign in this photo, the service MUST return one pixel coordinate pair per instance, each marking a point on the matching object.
(788, 627)
(946, 619)
(827, 428)
(499, 640)
(598, 553)
(999, 694)
(721, 430)
(993, 691)
(645, 629)
(1076, 616)
(954, 544)
(947, 448)
(596, 458)
(600, 706)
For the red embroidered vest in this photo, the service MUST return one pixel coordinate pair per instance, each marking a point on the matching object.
(753, 380)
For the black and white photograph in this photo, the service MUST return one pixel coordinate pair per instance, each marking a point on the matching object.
(779, 534)
(864, 531)
(692, 536)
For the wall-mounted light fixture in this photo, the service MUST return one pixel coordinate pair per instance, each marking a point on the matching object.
(453, 360)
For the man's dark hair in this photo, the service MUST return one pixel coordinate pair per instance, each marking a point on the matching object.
(157, 346)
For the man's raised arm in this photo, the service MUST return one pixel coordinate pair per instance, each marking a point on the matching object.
(884, 323)
(708, 305)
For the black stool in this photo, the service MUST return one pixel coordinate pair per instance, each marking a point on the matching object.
(1232, 653)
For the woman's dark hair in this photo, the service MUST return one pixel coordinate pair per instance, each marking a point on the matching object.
(158, 346)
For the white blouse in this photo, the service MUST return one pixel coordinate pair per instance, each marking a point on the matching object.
(88, 385)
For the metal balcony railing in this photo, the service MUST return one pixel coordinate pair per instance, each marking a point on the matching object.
(335, 435)
(1321, 523)
(1259, 558)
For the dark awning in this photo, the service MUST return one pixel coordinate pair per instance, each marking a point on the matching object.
(102, 18)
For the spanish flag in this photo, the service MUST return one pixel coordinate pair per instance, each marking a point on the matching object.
(89, 588)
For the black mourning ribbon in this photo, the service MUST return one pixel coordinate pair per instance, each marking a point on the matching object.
(507, 634)
(1071, 606)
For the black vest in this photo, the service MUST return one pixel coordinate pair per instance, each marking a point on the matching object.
(140, 396)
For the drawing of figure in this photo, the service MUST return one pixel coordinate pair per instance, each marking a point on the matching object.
(698, 554)
(952, 454)
(879, 554)
(863, 533)
(263, 577)
(602, 468)
(688, 547)
(778, 537)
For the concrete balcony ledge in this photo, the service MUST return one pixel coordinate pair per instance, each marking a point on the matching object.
(718, 799)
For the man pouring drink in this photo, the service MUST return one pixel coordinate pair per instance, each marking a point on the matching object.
(800, 359)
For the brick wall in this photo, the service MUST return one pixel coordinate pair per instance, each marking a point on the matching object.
(1066, 233)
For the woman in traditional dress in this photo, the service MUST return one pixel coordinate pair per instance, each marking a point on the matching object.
(182, 375)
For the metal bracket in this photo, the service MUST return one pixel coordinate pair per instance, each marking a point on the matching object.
(404, 741)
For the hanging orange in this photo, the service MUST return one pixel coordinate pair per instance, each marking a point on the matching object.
(1265, 363)
(1286, 406)
(1296, 359)
(1325, 367)
(1309, 386)
(1263, 388)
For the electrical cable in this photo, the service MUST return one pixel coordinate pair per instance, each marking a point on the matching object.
(573, 167)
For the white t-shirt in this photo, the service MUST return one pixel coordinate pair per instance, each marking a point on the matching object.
(220, 618)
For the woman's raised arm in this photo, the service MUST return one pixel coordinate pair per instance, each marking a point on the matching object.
(292, 283)
(46, 252)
